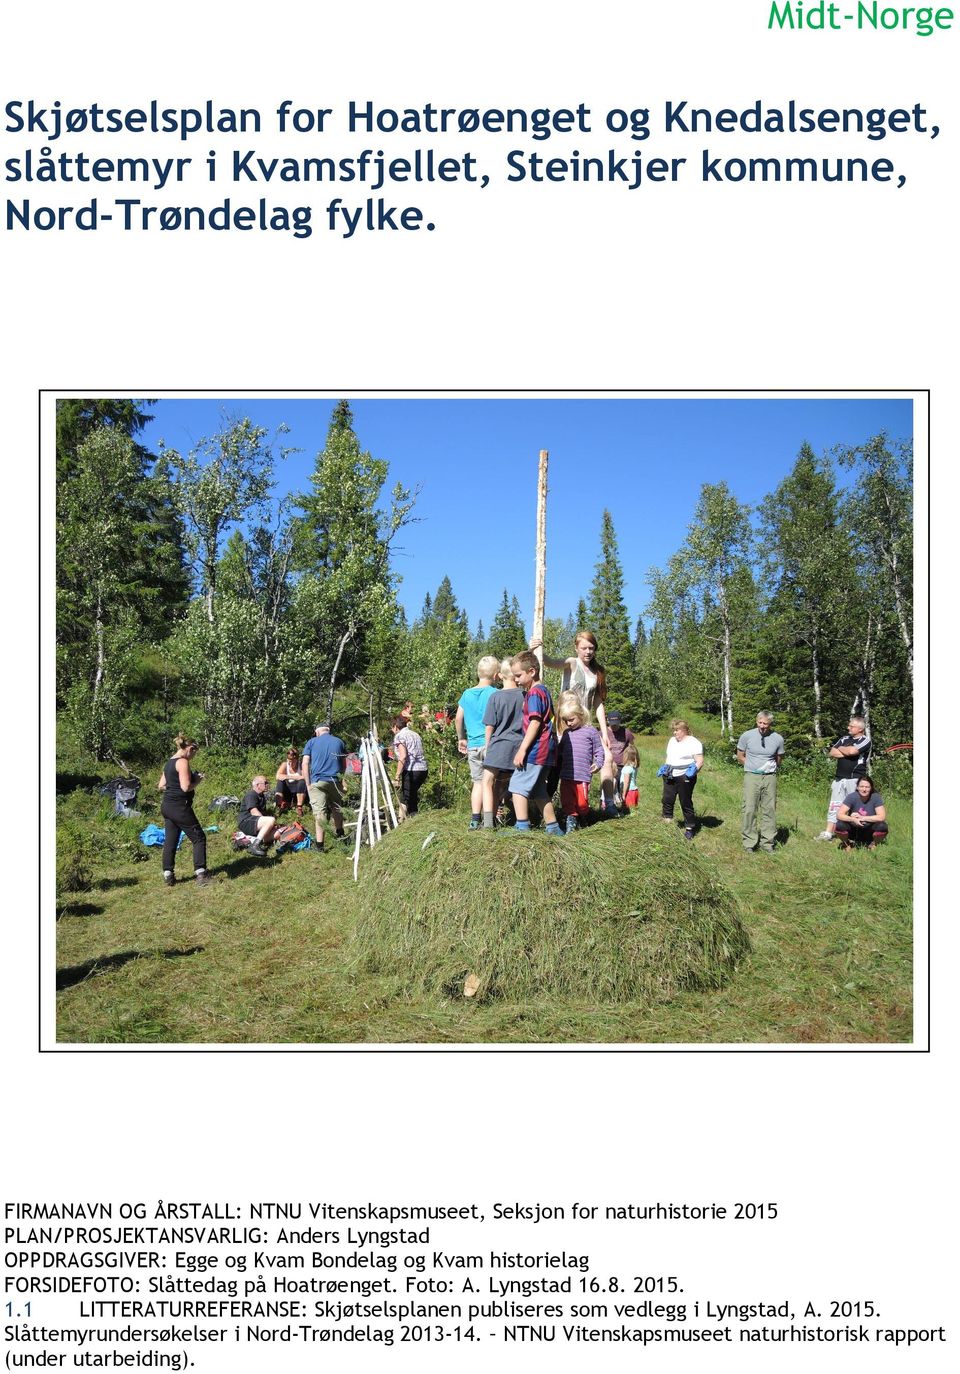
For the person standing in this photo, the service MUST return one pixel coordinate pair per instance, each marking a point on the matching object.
(760, 751)
(411, 764)
(679, 773)
(471, 735)
(619, 738)
(322, 765)
(178, 782)
(585, 676)
(852, 752)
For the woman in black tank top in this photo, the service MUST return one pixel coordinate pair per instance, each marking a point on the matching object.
(177, 783)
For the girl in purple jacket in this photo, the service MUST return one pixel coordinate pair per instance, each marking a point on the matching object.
(580, 755)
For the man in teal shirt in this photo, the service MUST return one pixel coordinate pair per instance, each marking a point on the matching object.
(760, 752)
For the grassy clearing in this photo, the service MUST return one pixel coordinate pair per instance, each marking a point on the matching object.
(276, 951)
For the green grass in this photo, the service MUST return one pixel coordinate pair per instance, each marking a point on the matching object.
(287, 951)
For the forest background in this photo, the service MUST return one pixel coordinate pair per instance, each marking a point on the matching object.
(191, 595)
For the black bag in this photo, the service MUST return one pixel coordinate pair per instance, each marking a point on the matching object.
(124, 793)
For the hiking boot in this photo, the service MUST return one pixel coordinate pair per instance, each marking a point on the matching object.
(573, 825)
(825, 835)
(203, 879)
(476, 823)
(688, 834)
(257, 850)
(169, 880)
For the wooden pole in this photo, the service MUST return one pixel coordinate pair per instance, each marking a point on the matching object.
(540, 586)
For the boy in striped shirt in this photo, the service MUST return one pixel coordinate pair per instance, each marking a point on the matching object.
(538, 748)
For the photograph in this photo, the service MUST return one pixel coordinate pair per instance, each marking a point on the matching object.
(484, 720)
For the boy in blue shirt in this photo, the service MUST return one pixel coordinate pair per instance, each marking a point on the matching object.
(471, 732)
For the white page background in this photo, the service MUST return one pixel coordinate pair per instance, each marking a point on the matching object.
(519, 287)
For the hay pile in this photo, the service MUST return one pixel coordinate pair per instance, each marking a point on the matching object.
(623, 910)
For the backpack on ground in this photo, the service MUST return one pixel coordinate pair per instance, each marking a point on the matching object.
(288, 836)
(224, 804)
(123, 792)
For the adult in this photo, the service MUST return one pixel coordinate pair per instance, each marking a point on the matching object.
(411, 764)
(852, 752)
(582, 674)
(322, 765)
(760, 751)
(178, 783)
(862, 817)
(620, 737)
(254, 819)
(291, 786)
(680, 773)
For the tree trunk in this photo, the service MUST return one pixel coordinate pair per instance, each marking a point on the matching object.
(347, 636)
(98, 677)
(898, 598)
(861, 702)
(726, 678)
(817, 689)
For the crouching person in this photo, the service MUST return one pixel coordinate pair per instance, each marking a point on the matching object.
(862, 818)
(254, 820)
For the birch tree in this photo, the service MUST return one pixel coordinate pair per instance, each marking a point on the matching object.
(219, 483)
(344, 539)
(97, 606)
(879, 512)
(715, 553)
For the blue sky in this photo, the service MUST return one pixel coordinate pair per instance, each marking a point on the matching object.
(476, 461)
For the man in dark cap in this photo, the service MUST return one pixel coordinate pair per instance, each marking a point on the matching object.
(619, 736)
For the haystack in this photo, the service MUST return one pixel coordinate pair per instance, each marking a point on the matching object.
(620, 911)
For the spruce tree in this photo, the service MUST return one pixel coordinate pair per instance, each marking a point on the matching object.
(607, 618)
(507, 633)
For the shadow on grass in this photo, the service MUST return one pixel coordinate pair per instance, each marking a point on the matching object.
(105, 884)
(69, 782)
(79, 909)
(242, 865)
(78, 973)
(784, 834)
(709, 822)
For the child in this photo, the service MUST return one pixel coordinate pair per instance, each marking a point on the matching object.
(503, 722)
(471, 736)
(537, 748)
(628, 777)
(581, 755)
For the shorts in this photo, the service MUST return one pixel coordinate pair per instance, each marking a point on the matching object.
(574, 797)
(632, 798)
(839, 791)
(291, 788)
(325, 799)
(249, 825)
(475, 760)
(530, 782)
